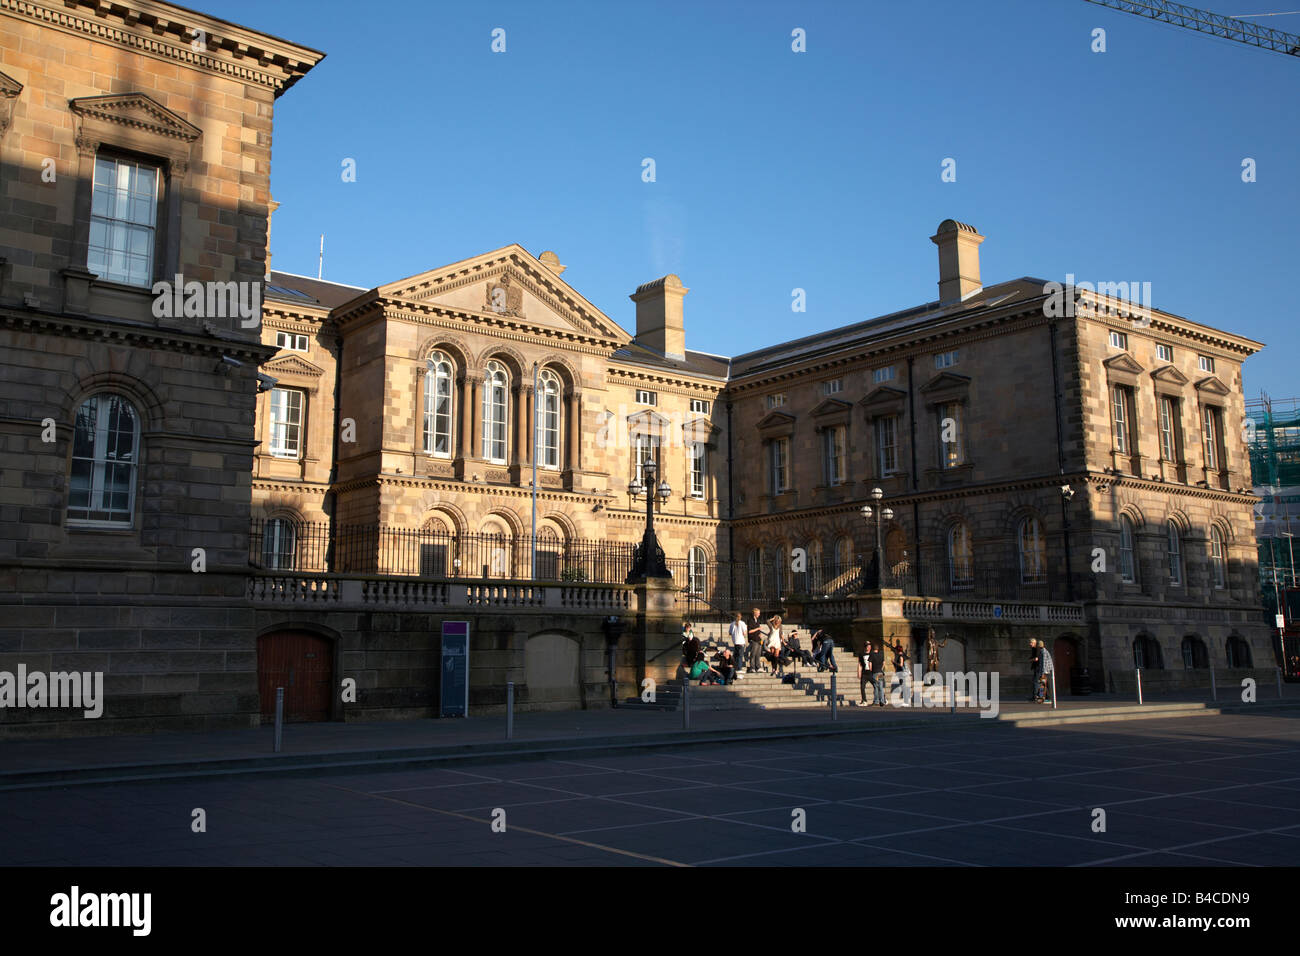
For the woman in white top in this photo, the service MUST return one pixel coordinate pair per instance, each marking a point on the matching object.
(773, 652)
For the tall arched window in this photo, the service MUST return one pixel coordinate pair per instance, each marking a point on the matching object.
(843, 556)
(1238, 652)
(1175, 556)
(697, 571)
(1127, 564)
(495, 384)
(1146, 653)
(438, 405)
(1218, 557)
(105, 454)
(548, 419)
(1194, 654)
(279, 544)
(1033, 552)
(895, 548)
(961, 557)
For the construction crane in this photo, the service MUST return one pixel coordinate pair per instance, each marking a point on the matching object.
(1216, 24)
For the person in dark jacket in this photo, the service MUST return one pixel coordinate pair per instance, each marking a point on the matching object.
(1035, 671)
(825, 655)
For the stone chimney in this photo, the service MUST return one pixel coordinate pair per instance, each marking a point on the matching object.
(659, 323)
(552, 262)
(959, 260)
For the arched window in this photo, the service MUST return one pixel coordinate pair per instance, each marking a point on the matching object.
(843, 556)
(438, 405)
(548, 555)
(1217, 557)
(548, 419)
(279, 544)
(1194, 654)
(495, 549)
(1238, 652)
(697, 571)
(895, 548)
(815, 574)
(105, 455)
(1033, 552)
(495, 384)
(961, 557)
(1127, 565)
(1175, 556)
(1146, 653)
(755, 572)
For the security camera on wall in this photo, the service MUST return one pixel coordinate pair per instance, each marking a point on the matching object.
(265, 382)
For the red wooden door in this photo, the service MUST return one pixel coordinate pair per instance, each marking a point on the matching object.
(301, 663)
(1064, 656)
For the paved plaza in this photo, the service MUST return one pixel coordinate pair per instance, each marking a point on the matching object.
(1189, 792)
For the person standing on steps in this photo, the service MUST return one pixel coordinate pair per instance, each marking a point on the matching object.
(876, 662)
(901, 658)
(865, 676)
(739, 637)
(754, 627)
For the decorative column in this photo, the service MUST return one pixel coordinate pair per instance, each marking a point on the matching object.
(476, 420)
(573, 427)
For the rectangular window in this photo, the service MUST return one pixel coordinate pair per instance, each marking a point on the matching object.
(833, 454)
(1164, 353)
(776, 400)
(1119, 340)
(644, 397)
(699, 406)
(1206, 363)
(291, 341)
(946, 359)
(123, 220)
(780, 465)
(699, 465)
(1169, 429)
(886, 445)
(1119, 404)
(286, 422)
(885, 374)
(647, 448)
(833, 387)
(1212, 433)
(952, 445)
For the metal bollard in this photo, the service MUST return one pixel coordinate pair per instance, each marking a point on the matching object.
(686, 703)
(1214, 689)
(952, 695)
(279, 717)
(1138, 671)
(1053, 690)
(834, 699)
(510, 710)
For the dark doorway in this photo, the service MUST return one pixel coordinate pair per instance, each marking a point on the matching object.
(301, 663)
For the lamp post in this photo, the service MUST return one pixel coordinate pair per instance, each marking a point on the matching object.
(872, 579)
(1067, 495)
(648, 559)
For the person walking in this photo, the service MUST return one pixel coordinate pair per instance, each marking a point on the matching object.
(876, 669)
(1047, 667)
(739, 637)
(1035, 671)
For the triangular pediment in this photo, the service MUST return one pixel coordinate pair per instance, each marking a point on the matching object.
(831, 406)
(137, 111)
(648, 422)
(1124, 363)
(699, 430)
(293, 365)
(775, 419)
(946, 380)
(511, 285)
(1212, 385)
(1170, 375)
(882, 395)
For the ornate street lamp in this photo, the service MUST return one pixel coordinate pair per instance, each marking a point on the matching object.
(873, 575)
(648, 558)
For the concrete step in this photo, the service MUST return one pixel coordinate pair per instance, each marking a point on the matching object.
(1047, 717)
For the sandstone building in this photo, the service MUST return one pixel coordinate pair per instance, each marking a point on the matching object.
(204, 502)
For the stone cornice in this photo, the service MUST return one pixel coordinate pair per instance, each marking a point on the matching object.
(142, 336)
(664, 379)
(168, 33)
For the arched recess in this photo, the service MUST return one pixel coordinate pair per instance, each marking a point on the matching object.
(1195, 655)
(437, 543)
(1238, 651)
(552, 670)
(301, 658)
(1147, 653)
(495, 547)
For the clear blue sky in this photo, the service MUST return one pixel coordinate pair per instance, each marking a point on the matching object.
(776, 170)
